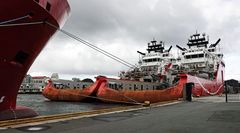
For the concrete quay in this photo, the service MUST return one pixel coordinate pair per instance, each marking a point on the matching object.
(205, 114)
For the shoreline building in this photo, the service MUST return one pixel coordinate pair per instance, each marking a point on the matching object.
(36, 84)
(75, 83)
(233, 86)
(33, 84)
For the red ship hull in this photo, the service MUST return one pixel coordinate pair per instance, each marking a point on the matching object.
(204, 87)
(21, 44)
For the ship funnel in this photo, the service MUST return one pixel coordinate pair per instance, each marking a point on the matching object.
(141, 53)
(169, 48)
(215, 44)
(183, 49)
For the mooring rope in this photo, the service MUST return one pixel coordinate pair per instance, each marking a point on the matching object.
(105, 99)
(206, 90)
(93, 46)
(127, 97)
(14, 113)
(22, 24)
(5, 24)
(15, 19)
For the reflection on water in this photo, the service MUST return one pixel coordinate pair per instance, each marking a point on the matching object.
(45, 107)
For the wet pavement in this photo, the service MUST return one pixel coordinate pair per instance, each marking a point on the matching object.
(205, 114)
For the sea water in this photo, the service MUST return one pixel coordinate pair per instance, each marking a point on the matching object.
(43, 106)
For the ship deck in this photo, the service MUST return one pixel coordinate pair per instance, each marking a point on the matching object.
(205, 114)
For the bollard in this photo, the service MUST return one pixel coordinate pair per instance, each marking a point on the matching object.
(187, 91)
(146, 103)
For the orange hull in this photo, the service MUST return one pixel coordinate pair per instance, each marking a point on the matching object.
(55, 94)
(172, 93)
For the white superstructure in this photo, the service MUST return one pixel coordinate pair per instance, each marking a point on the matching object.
(153, 66)
(200, 59)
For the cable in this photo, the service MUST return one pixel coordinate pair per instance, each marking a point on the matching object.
(15, 19)
(5, 24)
(93, 46)
(21, 24)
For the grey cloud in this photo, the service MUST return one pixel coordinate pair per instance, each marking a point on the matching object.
(123, 27)
(109, 19)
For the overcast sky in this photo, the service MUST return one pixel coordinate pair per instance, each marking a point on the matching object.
(124, 26)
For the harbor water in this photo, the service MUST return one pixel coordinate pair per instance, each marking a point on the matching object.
(44, 106)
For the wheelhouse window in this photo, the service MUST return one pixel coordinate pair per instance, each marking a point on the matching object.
(211, 50)
(194, 56)
(152, 60)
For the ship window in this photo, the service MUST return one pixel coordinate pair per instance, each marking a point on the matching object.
(135, 87)
(200, 55)
(120, 86)
(187, 56)
(194, 56)
(211, 50)
(21, 57)
(220, 55)
(48, 7)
